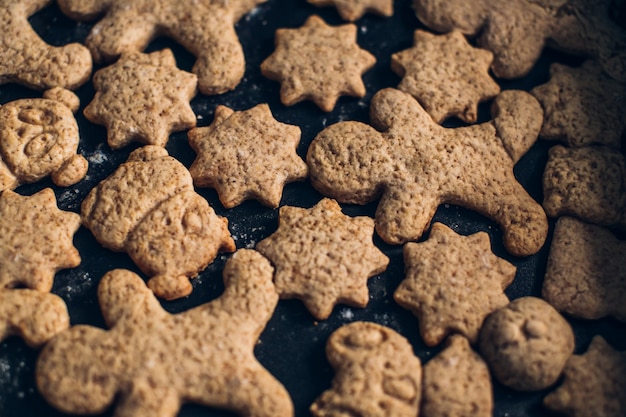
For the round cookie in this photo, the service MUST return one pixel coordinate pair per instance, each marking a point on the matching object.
(526, 344)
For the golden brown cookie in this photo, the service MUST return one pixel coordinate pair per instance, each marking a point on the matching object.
(457, 383)
(417, 165)
(150, 362)
(526, 344)
(452, 283)
(323, 257)
(143, 98)
(594, 384)
(352, 10)
(246, 154)
(149, 209)
(206, 29)
(318, 62)
(376, 374)
(447, 75)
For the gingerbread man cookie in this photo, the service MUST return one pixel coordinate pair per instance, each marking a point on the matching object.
(352, 10)
(39, 137)
(149, 209)
(152, 362)
(417, 165)
(206, 29)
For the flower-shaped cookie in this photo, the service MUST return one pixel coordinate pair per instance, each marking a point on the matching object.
(352, 10)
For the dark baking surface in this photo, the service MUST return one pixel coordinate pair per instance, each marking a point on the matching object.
(292, 345)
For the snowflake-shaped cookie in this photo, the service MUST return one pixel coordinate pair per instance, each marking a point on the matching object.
(246, 154)
(318, 62)
(452, 283)
(323, 257)
(352, 10)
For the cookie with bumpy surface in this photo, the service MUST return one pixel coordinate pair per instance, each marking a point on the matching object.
(453, 283)
(204, 28)
(148, 208)
(417, 165)
(376, 374)
(352, 10)
(323, 257)
(150, 362)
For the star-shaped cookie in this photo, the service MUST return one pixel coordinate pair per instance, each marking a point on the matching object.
(323, 257)
(452, 283)
(352, 10)
(318, 62)
(143, 98)
(447, 75)
(246, 154)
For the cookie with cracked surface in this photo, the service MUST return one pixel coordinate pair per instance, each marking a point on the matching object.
(352, 10)
(246, 154)
(323, 257)
(318, 62)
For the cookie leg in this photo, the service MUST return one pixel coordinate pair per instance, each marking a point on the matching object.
(220, 65)
(146, 399)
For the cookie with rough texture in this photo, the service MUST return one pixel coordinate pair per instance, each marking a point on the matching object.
(149, 209)
(246, 154)
(588, 183)
(585, 276)
(594, 384)
(206, 29)
(457, 383)
(376, 374)
(143, 98)
(352, 10)
(582, 106)
(447, 75)
(323, 257)
(39, 137)
(526, 344)
(27, 59)
(416, 165)
(150, 362)
(452, 282)
(318, 62)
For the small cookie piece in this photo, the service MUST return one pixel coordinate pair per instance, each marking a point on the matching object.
(26, 59)
(318, 62)
(246, 154)
(457, 383)
(447, 75)
(582, 106)
(39, 137)
(588, 183)
(526, 344)
(352, 10)
(206, 29)
(376, 374)
(149, 209)
(152, 362)
(585, 276)
(323, 257)
(142, 97)
(594, 384)
(417, 165)
(452, 283)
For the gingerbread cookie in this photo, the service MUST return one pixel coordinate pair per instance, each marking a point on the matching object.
(323, 257)
(589, 183)
(246, 154)
(39, 137)
(582, 106)
(144, 98)
(526, 344)
(206, 29)
(149, 209)
(417, 165)
(441, 286)
(446, 75)
(594, 384)
(585, 276)
(152, 362)
(26, 59)
(318, 62)
(352, 10)
(377, 374)
(457, 383)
